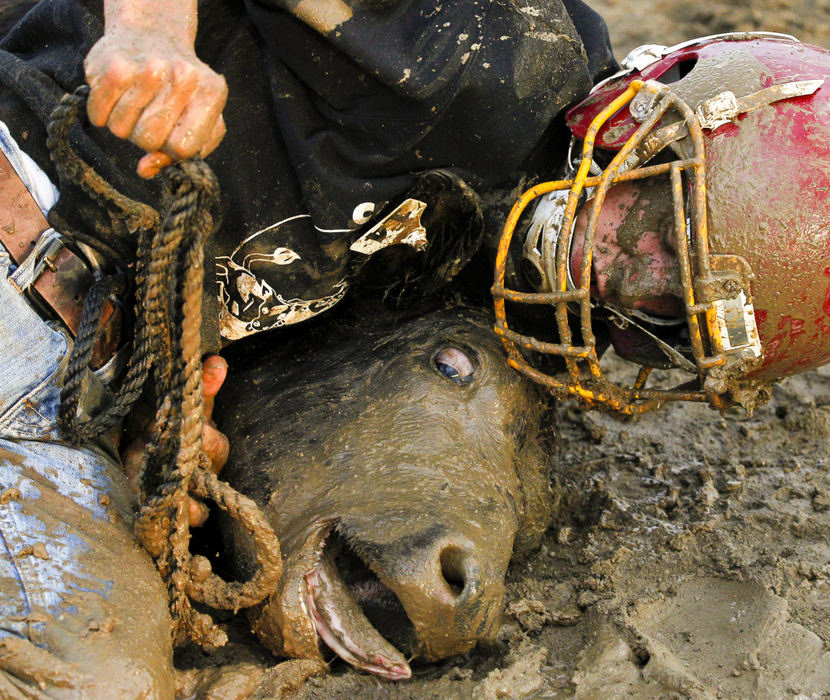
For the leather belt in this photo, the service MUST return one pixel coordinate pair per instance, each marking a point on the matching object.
(60, 278)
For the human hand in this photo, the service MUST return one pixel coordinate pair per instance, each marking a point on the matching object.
(149, 87)
(214, 443)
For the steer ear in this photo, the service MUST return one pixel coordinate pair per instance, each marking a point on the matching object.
(536, 511)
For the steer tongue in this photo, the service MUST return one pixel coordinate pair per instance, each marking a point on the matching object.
(342, 625)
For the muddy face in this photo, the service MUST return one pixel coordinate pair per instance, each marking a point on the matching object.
(399, 468)
(635, 268)
(634, 262)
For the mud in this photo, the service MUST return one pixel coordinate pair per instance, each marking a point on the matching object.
(690, 555)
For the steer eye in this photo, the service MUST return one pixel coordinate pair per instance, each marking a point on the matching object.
(455, 365)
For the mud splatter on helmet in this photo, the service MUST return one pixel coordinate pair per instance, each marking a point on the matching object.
(739, 127)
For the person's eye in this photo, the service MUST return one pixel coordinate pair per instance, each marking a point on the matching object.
(455, 365)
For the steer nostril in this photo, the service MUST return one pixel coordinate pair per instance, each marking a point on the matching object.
(452, 568)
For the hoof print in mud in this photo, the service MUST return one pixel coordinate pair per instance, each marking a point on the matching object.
(399, 465)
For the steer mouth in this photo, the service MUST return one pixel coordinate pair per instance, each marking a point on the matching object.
(352, 610)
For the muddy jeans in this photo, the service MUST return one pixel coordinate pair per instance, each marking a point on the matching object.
(83, 612)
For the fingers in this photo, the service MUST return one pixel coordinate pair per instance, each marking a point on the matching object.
(216, 446)
(196, 127)
(131, 459)
(198, 513)
(215, 138)
(157, 95)
(152, 164)
(137, 91)
(106, 88)
(214, 443)
(183, 117)
(158, 119)
(214, 372)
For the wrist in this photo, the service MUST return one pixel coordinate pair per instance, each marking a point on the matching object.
(175, 21)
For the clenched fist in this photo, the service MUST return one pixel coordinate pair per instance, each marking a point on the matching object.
(148, 86)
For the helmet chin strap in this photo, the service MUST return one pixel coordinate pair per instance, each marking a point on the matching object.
(623, 318)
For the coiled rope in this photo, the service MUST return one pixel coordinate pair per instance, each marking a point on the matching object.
(168, 295)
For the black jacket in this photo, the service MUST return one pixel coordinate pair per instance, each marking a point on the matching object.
(322, 119)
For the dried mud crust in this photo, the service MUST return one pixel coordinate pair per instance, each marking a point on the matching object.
(691, 552)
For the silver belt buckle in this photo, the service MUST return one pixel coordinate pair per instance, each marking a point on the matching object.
(42, 258)
(46, 250)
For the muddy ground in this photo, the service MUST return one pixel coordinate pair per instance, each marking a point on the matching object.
(691, 552)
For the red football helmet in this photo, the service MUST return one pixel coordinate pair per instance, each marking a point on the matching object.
(727, 139)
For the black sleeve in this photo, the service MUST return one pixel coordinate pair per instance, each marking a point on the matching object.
(594, 34)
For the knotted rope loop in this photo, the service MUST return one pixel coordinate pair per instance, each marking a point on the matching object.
(169, 280)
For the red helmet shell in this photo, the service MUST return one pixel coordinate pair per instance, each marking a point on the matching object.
(767, 178)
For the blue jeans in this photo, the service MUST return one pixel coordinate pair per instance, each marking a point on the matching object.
(83, 612)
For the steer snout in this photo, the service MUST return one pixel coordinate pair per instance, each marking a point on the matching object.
(451, 588)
